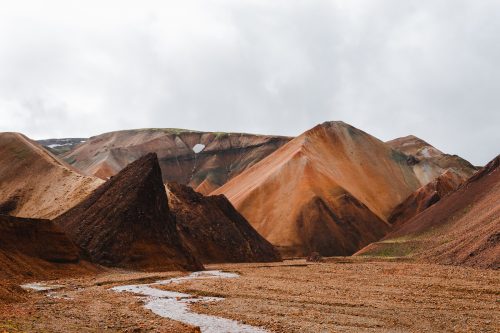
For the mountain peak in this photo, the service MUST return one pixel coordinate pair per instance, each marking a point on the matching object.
(127, 223)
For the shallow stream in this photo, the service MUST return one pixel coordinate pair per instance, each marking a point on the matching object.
(175, 306)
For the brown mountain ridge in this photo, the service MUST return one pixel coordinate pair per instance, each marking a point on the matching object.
(461, 229)
(126, 222)
(214, 231)
(202, 160)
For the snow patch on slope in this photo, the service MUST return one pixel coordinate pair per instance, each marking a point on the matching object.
(198, 148)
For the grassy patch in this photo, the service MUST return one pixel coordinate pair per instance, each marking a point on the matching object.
(398, 156)
(9, 326)
(393, 249)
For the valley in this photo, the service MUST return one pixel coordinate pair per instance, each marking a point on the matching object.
(166, 230)
(341, 294)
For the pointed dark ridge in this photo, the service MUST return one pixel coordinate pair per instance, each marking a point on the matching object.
(126, 222)
(215, 231)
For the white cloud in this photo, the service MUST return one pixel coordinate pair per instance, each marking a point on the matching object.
(391, 68)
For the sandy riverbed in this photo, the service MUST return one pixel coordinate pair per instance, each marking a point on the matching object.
(341, 295)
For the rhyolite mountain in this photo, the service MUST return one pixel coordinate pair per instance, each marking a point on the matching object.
(34, 183)
(330, 190)
(214, 231)
(126, 222)
(461, 229)
(202, 160)
(428, 162)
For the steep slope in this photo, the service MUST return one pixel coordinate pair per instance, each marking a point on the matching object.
(426, 196)
(201, 160)
(330, 190)
(33, 183)
(126, 222)
(428, 162)
(461, 229)
(214, 230)
(33, 248)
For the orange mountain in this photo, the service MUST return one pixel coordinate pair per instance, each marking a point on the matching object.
(202, 160)
(33, 183)
(330, 190)
(462, 229)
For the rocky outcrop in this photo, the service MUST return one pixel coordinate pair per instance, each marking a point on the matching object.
(202, 160)
(127, 223)
(214, 230)
(426, 196)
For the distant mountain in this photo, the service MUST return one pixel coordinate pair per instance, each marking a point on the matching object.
(60, 146)
(202, 160)
(429, 162)
(330, 190)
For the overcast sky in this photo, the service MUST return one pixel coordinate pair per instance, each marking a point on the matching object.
(392, 68)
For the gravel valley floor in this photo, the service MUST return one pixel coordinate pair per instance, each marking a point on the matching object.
(339, 295)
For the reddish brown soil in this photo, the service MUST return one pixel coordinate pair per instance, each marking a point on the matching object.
(33, 183)
(329, 190)
(461, 229)
(214, 230)
(32, 249)
(127, 223)
(225, 155)
(428, 162)
(86, 305)
(425, 197)
(339, 295)
(36, 238)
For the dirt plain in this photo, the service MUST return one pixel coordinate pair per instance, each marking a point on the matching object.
(337, 295)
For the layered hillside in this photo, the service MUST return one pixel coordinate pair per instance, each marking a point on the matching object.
(428, 162)
(426, 196)
(34, 248)
(201, 160)
(330, 190)
(461, 229)
(126, 222)
(33, 183)
(214, 230)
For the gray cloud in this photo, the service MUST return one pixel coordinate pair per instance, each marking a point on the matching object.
(392, 68)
